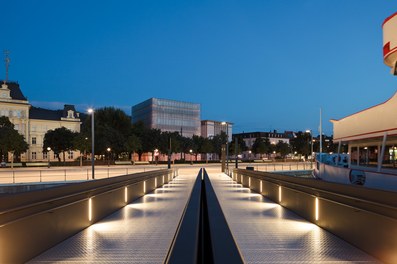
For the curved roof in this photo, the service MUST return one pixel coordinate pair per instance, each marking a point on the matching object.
(370, 122)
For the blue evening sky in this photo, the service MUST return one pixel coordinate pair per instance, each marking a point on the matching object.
(263, 65)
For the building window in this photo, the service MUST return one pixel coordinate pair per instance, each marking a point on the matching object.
(44, 155)
(33, 140)
(34, 155)
(70, 154)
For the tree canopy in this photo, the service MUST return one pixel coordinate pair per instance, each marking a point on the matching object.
(10, 139)
(59, 140)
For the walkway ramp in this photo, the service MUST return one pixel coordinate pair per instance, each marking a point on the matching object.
(141, 232)
(265, 232)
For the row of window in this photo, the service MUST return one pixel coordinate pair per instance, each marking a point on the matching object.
(368, 156)
(45, 156)
(13, 113)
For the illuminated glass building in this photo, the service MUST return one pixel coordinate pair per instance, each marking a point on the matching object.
(169, 115)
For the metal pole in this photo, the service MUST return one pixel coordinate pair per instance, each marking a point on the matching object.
(93, 148)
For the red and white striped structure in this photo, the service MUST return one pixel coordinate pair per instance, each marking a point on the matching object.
(390, 40)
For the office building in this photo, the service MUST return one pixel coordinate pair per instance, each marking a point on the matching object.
(211, 128)
(168, 115)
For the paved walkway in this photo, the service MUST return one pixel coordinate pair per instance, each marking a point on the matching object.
(141, 232)
(265, 232)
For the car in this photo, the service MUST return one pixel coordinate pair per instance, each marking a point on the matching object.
(3, 164)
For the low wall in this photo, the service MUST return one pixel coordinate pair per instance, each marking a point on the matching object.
(32, 222)
(366, 218)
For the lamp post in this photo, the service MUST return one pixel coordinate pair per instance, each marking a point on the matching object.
(156, 153)
(311, 145)
(108, 150)
(48, 156)
(191, 161)
(227, 144)
(91, 111)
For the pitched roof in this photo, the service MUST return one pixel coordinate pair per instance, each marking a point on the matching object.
(15, 91)
(45, 114)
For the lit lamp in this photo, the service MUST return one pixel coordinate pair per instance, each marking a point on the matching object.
(108, 150)
(48, 156)
(156, 153)
(191, 161)
(91, 111)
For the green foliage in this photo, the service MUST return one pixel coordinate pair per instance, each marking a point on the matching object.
(261, 146)
(301, 143)
(283, 148)
(59, 140)
(10, 139)
(240, 147)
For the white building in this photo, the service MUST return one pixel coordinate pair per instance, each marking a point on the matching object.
(211, 128)
(33, 123)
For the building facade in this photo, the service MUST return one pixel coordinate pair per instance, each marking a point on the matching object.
(33, 123)
(274, 137)
(168, 115)
(211, 128)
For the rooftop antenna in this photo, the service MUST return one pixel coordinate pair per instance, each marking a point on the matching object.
(7, 61)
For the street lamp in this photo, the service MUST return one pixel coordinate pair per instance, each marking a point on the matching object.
(156, 153)
(48, 156)
(311, 143)
(108, 150)
(227, 144)
(191, 161)
(91, 111)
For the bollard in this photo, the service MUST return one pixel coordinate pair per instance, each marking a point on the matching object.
(13, 176)
(65, 174)
(40, 175)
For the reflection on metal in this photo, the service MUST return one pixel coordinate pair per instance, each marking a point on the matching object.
(144, 187)
(90, 209)
(279, 194)
(261, 188)
(125, 194)
(317, 209)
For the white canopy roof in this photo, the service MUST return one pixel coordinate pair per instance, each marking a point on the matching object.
(368, 123)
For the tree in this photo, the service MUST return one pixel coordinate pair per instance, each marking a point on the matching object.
(301, 143)
(261, 146)
(112, 128)
(217, 142)
(241, 146)
(206, 147)
(82, 143)
(282, 148)
(59, 140)
(10, 139)
(132, 145)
